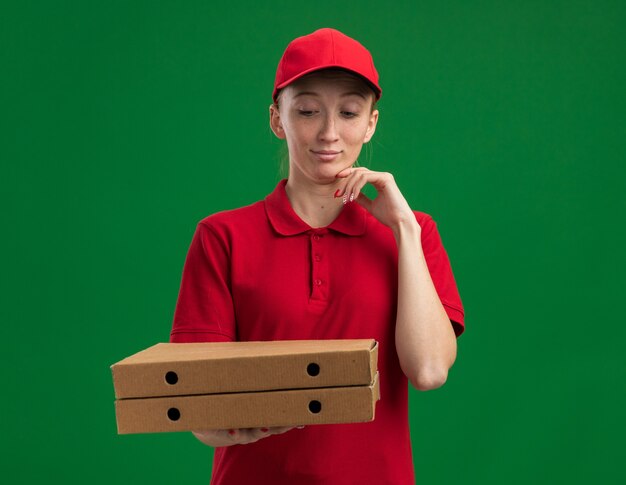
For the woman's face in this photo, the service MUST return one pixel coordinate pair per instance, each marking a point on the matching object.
(325, 118)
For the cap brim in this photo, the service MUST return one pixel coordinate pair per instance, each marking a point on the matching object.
(377, 91)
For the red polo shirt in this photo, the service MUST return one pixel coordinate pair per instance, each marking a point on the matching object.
(261, 273)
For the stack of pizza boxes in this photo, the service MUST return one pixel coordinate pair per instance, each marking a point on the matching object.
(225, 385)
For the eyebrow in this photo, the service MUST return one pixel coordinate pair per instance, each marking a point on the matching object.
(350, 93)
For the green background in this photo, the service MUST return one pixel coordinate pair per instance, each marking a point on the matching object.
(123, 123)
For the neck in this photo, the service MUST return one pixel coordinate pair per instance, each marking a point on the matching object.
(315, 204)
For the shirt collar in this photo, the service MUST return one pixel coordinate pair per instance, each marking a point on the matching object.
(351, 221)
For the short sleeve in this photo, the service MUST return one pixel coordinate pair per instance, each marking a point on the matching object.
(204, 309)
(441, 273)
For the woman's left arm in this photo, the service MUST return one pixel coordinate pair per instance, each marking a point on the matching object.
(425, 338)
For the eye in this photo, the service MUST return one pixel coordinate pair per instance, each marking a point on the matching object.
(306, 112)
(349, 114)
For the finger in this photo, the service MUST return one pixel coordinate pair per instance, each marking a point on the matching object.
(360, 181)
(349, 188)
(347, 174)
(212, 437)
(344, 173)
(217, 437)
(346, 191)
(280, 429)
(381, 181)
(204, 432)
(250, 435)
(233, 435)
(206, 435)
(365, 202)
(241, 436)
(357, 182)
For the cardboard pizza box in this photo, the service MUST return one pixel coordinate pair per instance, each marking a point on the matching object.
(172, 369)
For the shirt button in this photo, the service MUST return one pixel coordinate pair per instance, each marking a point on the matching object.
(316, 237)
(318, 282)
(318, 257)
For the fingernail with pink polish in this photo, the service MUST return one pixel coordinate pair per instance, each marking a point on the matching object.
(265, 430)
(231, 432)
(337, 192)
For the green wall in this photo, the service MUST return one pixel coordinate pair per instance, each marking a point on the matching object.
(123, 123)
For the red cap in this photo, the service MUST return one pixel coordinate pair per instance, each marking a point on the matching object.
(323, 49)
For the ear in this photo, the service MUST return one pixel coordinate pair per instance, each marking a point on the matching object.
(275, 123)
(371, 126)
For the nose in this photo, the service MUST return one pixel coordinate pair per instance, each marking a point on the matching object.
(328, 130)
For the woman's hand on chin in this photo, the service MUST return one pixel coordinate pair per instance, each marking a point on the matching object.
(389, 206)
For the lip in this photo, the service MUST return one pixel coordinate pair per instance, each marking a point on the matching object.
(326, 155)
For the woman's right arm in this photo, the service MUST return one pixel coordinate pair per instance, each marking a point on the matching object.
(204, 309)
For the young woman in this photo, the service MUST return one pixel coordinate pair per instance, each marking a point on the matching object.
(317, 259)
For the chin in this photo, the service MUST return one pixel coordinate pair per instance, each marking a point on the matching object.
(326, 179)
(330, 170)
